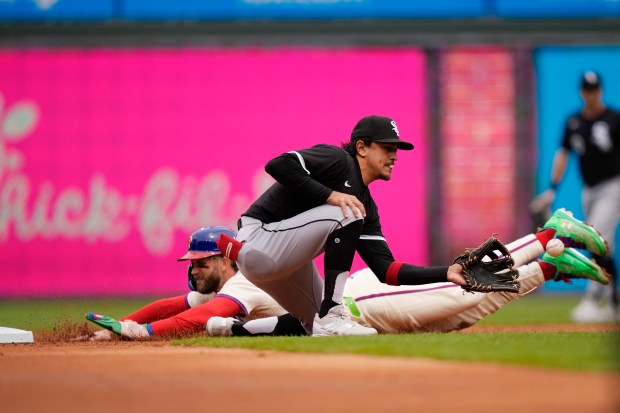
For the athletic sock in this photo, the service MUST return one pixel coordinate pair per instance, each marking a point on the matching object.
(339, 251)
(326, 305)
(545, 236)
(549, 270)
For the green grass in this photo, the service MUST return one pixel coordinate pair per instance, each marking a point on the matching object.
(44, 315)
(586, 351)
(535, 309)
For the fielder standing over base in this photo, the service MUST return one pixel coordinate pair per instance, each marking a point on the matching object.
(321, 202)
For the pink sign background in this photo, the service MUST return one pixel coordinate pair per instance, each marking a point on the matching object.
(478, 105)
(109, 159)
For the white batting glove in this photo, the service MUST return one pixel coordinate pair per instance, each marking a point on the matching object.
(131, 329)
(102, 335)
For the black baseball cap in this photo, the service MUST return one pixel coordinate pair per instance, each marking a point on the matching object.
(379, 129)
(590, 80)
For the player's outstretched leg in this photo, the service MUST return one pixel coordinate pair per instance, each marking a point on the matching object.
(573, 264)
(575, 233)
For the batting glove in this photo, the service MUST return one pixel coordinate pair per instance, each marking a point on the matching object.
(127, 329)
(101, 335)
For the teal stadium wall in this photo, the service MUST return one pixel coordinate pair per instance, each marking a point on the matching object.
(558, 70)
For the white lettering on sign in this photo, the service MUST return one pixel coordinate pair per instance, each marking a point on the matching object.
(100, 212)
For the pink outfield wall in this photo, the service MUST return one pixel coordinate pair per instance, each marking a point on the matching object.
(109, 159)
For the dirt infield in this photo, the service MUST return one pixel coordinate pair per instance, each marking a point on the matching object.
(155, 376)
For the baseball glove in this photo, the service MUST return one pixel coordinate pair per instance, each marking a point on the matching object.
(485, 271)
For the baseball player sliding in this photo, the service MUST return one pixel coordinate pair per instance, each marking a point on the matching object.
(217, 289)
(220, 296)
(443, 307)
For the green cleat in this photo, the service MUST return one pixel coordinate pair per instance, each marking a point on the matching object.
(576, 234)
(105, 322)
(573, 264)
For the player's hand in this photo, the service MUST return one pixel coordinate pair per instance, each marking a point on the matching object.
(345, 200)
(102, 335)
(455, 274)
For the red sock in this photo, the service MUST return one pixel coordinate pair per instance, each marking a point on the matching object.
(548, 270)
(545, 236)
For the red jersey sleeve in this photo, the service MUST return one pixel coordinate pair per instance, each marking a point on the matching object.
(194, 319)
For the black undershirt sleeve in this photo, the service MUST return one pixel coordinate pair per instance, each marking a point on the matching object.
(377, 255)
(414, 275)
(287, 170)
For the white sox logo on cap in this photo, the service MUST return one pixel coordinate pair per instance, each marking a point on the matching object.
(379, 129)
(395, 128)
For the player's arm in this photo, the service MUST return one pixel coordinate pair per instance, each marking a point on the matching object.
(283, 325)
(158, 310)
(302, 170)
(168, 307)
(558, 168)
(560, 158)
(377, 255)
(194, 320)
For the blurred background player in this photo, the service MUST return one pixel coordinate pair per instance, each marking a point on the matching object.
(217, 289)
(593, 135)
(444, 307)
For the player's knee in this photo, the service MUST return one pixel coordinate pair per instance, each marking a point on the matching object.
(352, 219)
(351, 230)
(259, 265)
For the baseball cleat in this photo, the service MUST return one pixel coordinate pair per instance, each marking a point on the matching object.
(337, 323)
(104, 321)
(220, 326)
(229, 246)
(588, 311)
(573, 264)
(575, 233)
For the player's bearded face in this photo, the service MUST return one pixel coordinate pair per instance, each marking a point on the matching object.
(207, 273)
